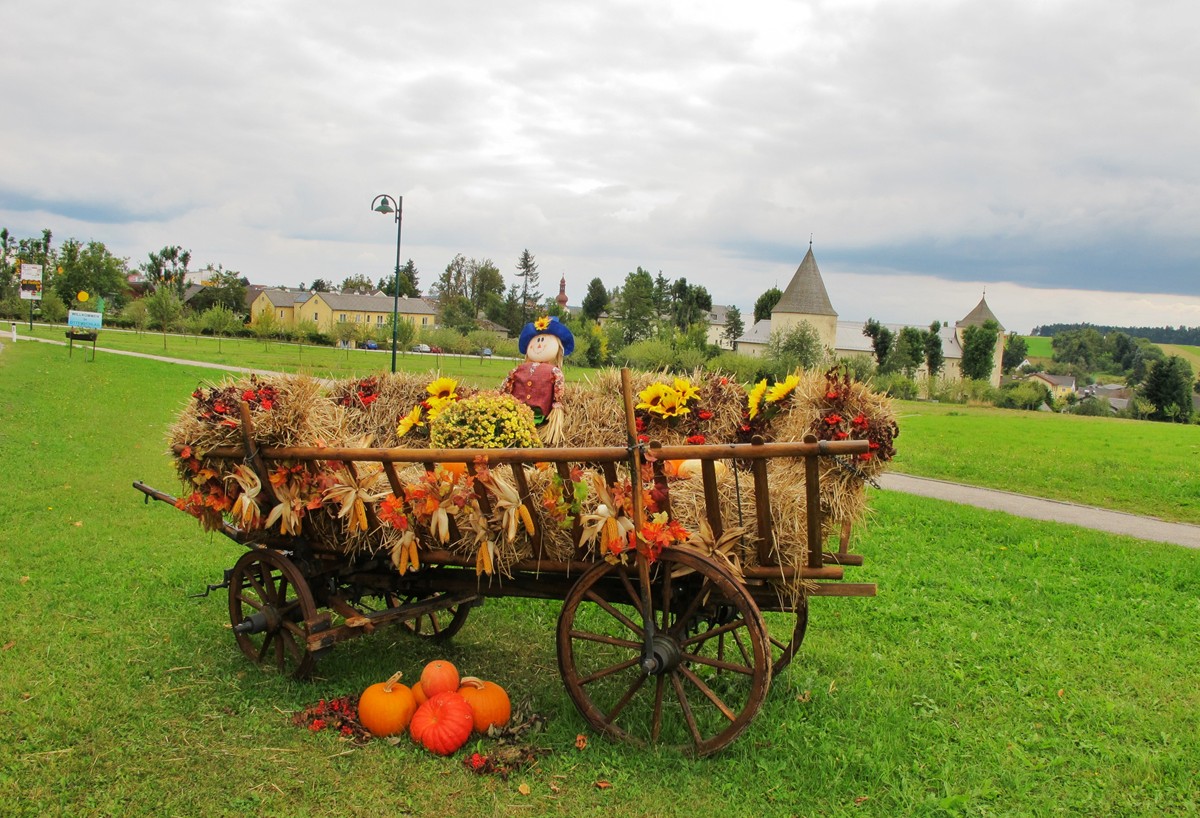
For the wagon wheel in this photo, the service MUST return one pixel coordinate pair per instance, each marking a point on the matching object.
(782, 651)
(437, 625)
(709, 668)
(269, 603)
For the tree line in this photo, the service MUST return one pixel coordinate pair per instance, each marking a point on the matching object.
(1188, 336)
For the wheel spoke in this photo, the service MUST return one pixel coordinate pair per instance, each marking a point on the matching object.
(633, 688)
(688, 715)
(588, 636)
(704, 636)
(720, 664)
(708, 692)
(634, 597)
(684, 618)
(737, 638)
(620, 617)
(660, 686)
(608, 671)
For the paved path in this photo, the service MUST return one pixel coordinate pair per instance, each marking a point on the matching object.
(1020, 505)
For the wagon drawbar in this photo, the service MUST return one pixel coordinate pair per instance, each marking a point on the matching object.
(668, 648)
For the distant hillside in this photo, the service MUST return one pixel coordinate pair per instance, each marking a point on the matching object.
(1190, 354)
(1160, 335)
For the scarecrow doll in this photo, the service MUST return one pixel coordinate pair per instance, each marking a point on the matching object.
(538, 381)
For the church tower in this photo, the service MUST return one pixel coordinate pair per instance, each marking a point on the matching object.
(806, 299)
(976, 318)
(562, 292)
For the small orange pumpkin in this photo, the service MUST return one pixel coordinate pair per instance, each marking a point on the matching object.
(443, 724)
(489, 703)
(438, 677)
(419, 694)
(386, 708)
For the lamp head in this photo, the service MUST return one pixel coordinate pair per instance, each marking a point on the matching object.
(384, 207)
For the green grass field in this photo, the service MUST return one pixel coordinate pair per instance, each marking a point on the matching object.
(1127, 465)
(1038, 346)
(1006, 667)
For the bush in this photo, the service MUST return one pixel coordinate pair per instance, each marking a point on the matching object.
(650, 356)
(741, 368)
(896, 385)
(1023, 395)
(1091, 407)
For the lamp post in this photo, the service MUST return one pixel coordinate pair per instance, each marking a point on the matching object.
(385, 204)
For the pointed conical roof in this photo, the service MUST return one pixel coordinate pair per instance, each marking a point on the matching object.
(805, 293)
(979, 315)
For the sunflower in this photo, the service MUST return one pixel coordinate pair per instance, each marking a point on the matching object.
(437, 404)
(410, 420)
(782, 389)
(686, 391)
(755, 398)
(653, 396)
(541, 323)
(443, 389)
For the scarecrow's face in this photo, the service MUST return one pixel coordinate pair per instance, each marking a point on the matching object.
(543, 349)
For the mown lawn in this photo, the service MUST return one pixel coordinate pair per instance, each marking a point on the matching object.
(1135, 466)
(1006, 667)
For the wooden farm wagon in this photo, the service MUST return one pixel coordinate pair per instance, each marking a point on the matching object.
(661, 638)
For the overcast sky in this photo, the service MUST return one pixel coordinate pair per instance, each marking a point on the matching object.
(1046, 151)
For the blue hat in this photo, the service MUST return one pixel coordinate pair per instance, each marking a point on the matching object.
(551, 326)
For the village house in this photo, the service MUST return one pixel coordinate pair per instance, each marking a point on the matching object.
(1060, 386)
(329, 309)
(806, 299)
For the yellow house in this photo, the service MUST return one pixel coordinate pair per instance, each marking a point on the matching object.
(326, 310)
(1059, 385)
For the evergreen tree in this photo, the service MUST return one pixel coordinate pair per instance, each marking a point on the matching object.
(734, 326)
(596, 300)
(882, 339)
(527, 271)
(636, 308)
(1169, 387)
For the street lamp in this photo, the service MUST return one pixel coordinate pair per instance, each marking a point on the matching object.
(385, 204)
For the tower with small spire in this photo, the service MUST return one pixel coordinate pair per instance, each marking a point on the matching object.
(562, 292)
(806, 299)
(977, 318)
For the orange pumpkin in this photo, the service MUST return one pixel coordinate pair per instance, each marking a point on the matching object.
(438, 677)
(386, 708)
(443, 724)
(419, 694)
(489, 703)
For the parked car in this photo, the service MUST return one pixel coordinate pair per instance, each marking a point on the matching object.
(486, 352)
(422, 348)
(435, 350)
(370, 345)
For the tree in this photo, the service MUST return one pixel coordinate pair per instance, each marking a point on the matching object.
(935, 358)
(595, 302)
(527, 271)
(636, 307)
(689, 304)
(92, 269)
(164, 307)
(344, 333)
(320, 285)
(1015, 352)
(222, 287)
(265, 326)
(135, 312)
(734, 326)
(452, 282)
(798, 346)
(168, 268)
(979, 350)
(220, 321)
(661, 294)
(1082, 347)
(766, 303)
(458, 314)
(882, 339)
(910, 351)
(1169, 387)
(485, 285)
(357, 283)
(408, 282)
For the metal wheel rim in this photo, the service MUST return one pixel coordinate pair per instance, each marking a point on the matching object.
(701, 705)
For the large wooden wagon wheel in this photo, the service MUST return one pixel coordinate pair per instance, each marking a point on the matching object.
(784, 645)
(702, 677)
(437, 625)
(269, 604)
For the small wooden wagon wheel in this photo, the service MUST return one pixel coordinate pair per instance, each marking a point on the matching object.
(269, 604)
(783, 650)
(695, 683)
(437, 625)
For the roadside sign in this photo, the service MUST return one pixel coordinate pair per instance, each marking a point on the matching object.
(85, 320)
(31, 282)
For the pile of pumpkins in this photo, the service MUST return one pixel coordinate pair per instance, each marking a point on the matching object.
(440, 711)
